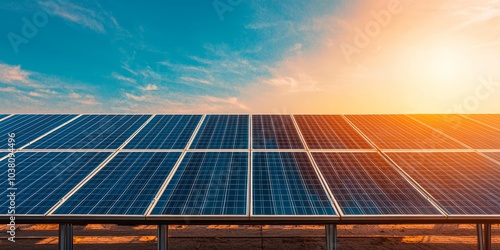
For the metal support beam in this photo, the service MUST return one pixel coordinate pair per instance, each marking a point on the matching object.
(65, 237)
(480, 245)
(480, 238)
(331, 236)
(162, 237)
(487, 236)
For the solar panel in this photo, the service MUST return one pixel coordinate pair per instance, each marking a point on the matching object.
(490, 120)
(213, 183)
(473, 134)
(330, 132)
(29, 127)
(366, 184)
(93, 132)
(286, 183)
(165, 132)
(462, 183)
(401, 132)
(494, 155)
(3, 115)
(127, 185)
(275, 132)
(42, 179)
(222, 132)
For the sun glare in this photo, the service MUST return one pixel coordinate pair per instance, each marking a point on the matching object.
(446, 64)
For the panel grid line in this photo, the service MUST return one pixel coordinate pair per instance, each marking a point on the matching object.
(174, 169)
(333, 200)
(403, 174)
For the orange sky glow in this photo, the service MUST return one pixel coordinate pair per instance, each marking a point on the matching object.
(392, 56)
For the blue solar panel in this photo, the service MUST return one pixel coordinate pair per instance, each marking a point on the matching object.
(42, 179)
(127, 185)
(29, 127)
(93, 132)
(3, 115)
(166, 132)
(366, 184)
(275, 132)
(207, 184)
(223, 132)
(286, 184)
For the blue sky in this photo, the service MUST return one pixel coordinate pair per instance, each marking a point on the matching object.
(201, 56)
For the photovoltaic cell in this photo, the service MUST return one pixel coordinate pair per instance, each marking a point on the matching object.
(3, 115)
(165, 132)
(42, 179)
(366, 184)
(29, 127)
(494, 155)
(222, 132)
(462, 183)
(127, 185)
(401, 132)
(287, 184)
(469, 132)
(490, 120)
(213, 183)
(275, 132)
(93, 132)
(330, 132)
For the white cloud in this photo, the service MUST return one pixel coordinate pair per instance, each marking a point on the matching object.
(85, 99)
(122, 78)
(13, 74)
(135, 98)
(150, 87)
(230, 100)
(74, 95)
(9, 90)
(299, 83)
(36, 94)
(97, 21)
(195, 80)
(49, 91)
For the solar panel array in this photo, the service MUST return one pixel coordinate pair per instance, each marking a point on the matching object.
(263, 167)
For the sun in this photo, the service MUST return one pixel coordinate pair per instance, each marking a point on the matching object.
(446, 65)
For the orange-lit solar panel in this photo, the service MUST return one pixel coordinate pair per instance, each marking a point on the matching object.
(367, 184)
(472, 133)
(462, 183)
(401, 132)
(494, 155)
(490, 120)
(330, 132)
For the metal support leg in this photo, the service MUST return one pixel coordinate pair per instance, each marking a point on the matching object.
(65, 237)
(331, 236)
(487, 236)
(162, 237)
(480, 245)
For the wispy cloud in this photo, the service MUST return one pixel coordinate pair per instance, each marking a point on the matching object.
(135, 97)
(9, 90)
(94, 18)
(195, 80)
(123, 78)
(84, 99)
(229, 100)
(150, 87)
